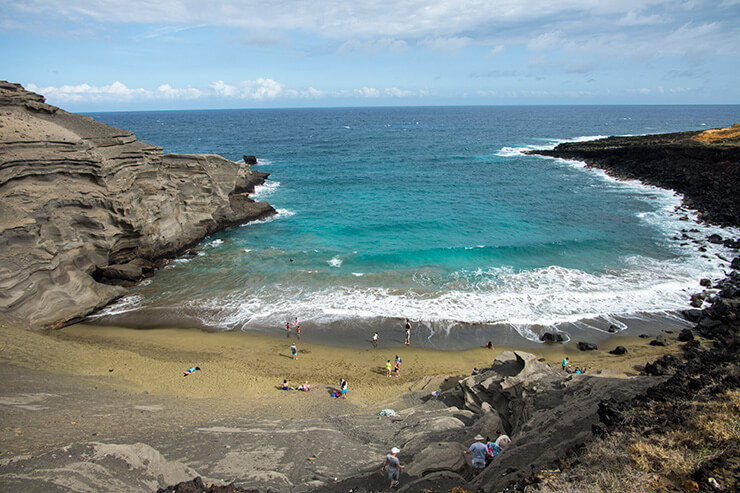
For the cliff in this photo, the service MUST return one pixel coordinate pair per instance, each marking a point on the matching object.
(703, 166)
(85, 207)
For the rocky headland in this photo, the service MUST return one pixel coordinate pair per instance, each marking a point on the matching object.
(86, 208)
(702, 166)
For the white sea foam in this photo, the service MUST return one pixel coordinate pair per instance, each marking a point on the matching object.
(281, 214)
(261, 192)
(216, 243)
(334, 262)
(263, 162)
(358, 274)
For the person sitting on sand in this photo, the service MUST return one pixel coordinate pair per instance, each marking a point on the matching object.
(479, 451)
(578, 371)
(286, 385)
(489, 345)
(191, 370)
(304, 386)
(294, 351)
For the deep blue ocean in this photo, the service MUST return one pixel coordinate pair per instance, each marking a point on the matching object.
(432, 214)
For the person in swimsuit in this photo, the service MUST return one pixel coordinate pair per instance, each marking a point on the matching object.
(294, 351)
(407, 326)
(191, 370)
(375, 340)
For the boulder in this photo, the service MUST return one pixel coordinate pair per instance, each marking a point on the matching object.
(552, 337)
(587, 346)
(659, 341)
(686, 335)
(130, 271)
(715, 239)
(619, 350)
(735, 263)
(440, 456)
(250, 160)
(692, 315)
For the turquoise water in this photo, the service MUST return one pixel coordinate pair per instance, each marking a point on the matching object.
(434, 214)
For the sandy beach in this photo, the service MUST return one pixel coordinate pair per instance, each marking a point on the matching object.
(93, 382)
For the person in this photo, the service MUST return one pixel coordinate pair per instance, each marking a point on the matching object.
(343, 386)
(294, 351)
(394, 467)
(479, 451)
(476, 371)
(375, 340)
(388, 368)
(286, 385)
(489, 345)
(191, 370)
(407, 326)
(578, 371)
(398, 366)
(287, 330)
(502, 440)
(304, 386)
(492, 450)
(565, 364)
(298, 331)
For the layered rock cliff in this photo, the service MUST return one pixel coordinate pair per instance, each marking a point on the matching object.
(703, 166)
(83, 205)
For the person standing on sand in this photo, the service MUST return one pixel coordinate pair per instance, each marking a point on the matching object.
(388, 369)
(407, 326)
(398, 366)
(375, 340)
(394, 467)
(565, 363)
(294, 351)
(343, 387)
(479, 451)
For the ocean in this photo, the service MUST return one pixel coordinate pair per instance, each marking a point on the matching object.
(433, 214)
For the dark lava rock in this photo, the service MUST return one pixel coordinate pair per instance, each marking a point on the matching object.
(735, 263)
(692, 315)
(613, 328)
(196, 485)
(686, 335)
(250, 159)
(587, 346)
(643, 336)
(659, 341)
(619, 350)
(716, 239)
(705, 282)
(551, 337)
(663, 366)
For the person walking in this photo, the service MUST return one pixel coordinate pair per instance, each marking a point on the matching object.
(375, 340)
(479, 451)
(503, 439)
(394, 467)
(294, 351)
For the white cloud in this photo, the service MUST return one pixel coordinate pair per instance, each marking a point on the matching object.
(86, 92)
(367, 92)
(169, 92)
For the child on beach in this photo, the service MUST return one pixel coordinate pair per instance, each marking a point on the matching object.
(286, 385)
(287, 330)
(191, 370)
(398, 366)
(343, 386)
(294, 351)
(388, 368)
(298, 331)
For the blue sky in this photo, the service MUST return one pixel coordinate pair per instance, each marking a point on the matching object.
(98, 55)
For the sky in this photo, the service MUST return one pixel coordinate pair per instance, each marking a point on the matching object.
(109, 55)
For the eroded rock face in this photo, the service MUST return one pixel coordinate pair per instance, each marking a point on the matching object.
(80, 201)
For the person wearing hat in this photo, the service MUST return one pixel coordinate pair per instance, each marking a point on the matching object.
(479, 451)
(394, 467)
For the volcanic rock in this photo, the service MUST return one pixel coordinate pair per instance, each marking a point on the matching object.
(587, 346)
(81, 201)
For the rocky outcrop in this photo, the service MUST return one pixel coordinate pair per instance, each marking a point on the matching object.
(701, 166)
(85, 206)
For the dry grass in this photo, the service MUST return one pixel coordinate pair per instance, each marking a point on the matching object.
(628, 462)
(726, 135)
